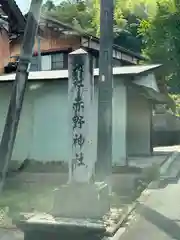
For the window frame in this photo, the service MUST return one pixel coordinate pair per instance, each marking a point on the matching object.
(55, 61)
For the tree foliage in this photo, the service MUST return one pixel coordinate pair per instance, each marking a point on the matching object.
(86, 15)
(161, 42)
(148, 26)
(77, 13)
(176, 99)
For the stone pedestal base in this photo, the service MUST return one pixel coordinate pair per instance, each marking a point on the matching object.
(42, 235)
(82, 201)
(45, 227)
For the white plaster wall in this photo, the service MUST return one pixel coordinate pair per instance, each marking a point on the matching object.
(147, 81)
(43, 130)
(119, 122)
(138, 124)
(50, 121)
(23, 140)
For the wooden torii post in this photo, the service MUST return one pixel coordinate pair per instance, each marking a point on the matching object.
(105, 90)
(19, 86)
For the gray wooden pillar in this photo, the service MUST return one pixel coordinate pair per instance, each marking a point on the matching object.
(105, 91)
(39, 53)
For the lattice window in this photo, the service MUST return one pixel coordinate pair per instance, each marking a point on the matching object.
(57, 61)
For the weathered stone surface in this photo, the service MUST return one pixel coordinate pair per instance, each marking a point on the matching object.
(45, 226)
(82, 201)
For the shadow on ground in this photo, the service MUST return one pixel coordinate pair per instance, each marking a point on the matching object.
(169, 226)
(28, 192)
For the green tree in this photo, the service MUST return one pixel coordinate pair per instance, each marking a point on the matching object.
(127, 17)
(161, 39)
(48, 6)
(150, 26)
(78, 13)
(85, 15)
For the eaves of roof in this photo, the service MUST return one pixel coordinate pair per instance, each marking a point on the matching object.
(84, 34)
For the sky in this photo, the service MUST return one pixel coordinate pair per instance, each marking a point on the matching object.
(25, 4)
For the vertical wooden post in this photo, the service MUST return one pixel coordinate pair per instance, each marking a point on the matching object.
(105, 89)
(19, 86)
(151, 128)
(39, 53)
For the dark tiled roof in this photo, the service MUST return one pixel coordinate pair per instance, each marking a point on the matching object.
(15, 17)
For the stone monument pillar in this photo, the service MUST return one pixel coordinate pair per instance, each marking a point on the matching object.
(82, 197)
